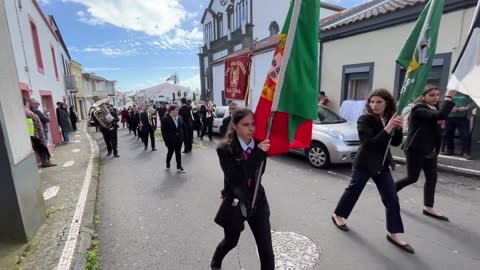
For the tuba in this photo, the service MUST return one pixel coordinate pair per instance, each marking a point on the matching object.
(101, 113)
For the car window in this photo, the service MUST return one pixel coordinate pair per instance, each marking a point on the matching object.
(328, 116)
(220, 112)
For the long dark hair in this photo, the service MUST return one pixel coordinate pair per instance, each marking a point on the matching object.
(231, 139)
(390, 105)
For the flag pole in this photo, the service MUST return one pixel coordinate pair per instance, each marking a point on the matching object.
(258, 179)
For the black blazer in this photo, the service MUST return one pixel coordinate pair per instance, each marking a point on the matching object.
(170, 133)
(184, 112)
(237, 171)
(146, 127)
(373, 144)
(425, 134)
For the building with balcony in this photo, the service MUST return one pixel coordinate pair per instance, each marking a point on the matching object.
(231, 27)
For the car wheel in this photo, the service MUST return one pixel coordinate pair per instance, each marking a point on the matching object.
(317, 156)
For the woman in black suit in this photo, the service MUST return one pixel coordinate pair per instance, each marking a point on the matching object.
(147, 130)
(173, 133)
(240, 158)
(423, 144)
(379, 128)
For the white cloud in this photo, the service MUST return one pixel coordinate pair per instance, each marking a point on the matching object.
(44, 2)
(100, 69)
(112, 51)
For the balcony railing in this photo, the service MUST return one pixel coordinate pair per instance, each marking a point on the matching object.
(71, 83)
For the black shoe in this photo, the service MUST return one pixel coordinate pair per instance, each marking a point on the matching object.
(181, 170)
(210, 139)
(116, 155)
(405, 247)
(167, 167)
(448, 153)
(154, 149)
(201, 138)
(145, 148)
(343, 227)
(109, 154)
(443, 218)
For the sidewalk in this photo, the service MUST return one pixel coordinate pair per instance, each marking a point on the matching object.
(70, 191)
(452, 164)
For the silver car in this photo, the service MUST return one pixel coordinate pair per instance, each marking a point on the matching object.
(334, 140)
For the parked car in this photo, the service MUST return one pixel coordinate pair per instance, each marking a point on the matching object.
(334, 140)
(220, 113)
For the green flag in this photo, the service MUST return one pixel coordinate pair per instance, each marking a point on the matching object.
(419, 51)
(290, 93)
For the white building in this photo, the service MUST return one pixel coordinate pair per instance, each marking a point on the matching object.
(168, 92)
(240, 26)
(41, 57)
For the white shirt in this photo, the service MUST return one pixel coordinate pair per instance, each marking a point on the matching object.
(245, 146)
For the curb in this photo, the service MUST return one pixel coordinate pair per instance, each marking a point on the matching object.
(87, 230)
(447, 168)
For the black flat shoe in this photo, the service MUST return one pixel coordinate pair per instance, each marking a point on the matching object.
(443, 218)
(405, 247)
(343, 227)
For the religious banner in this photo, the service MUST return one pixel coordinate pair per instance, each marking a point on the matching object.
(237, 71)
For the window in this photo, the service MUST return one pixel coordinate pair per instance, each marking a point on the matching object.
(274, 29)
(438, 75)
(208, 32)
(219, 25)
(357, 81)
(238, 16)
(36, 45)
(54, 62)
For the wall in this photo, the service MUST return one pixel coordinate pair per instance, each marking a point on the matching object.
(262, 19)
(22, 209)
(382, 47)
(218, 83)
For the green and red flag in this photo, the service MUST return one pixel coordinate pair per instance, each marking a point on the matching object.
(288, 103)
(419, 51)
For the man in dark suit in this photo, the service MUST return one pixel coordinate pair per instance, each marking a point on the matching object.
(148, 129)
(186, 113)
(173, 133)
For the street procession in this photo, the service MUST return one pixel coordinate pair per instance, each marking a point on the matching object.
(240, 134)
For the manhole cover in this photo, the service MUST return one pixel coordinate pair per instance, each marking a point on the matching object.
(294, 251)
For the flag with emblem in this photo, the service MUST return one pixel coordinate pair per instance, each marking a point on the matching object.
(419, 51)
(288, 103)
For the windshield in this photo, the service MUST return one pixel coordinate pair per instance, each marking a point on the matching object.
(328, 116)
(220, 112)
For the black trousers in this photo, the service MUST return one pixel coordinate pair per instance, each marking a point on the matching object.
(153, 122)
(415, 163)
(388, 193)
(41, 150)
(207, 127)
(188, 139)
(260, 225)
(110, 138)
(177, 148)
(463, 126)
(152, 139)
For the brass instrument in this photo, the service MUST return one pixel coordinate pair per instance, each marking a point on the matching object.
(102, 114)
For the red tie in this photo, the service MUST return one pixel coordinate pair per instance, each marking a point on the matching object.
(246, 153)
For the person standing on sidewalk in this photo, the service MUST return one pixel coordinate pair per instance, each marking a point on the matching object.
(39, 143)
(73, 118)
(423, 144)
(34, 104)
(173, 133)
(379, 128)
(186, 113)
(147, 130)
(458, 119)
(65, 123)
(240, 158)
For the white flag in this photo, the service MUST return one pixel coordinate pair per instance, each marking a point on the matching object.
(466, 73)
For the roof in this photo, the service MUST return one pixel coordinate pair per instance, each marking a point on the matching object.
(59, 34)
(368, 10)
(331, 6)
(165, 89)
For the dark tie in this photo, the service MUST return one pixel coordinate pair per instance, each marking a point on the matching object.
(246, 153)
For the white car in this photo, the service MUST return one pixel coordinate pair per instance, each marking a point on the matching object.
(334, 140)
(220, 113)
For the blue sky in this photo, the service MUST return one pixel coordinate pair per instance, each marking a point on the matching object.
(139, 43)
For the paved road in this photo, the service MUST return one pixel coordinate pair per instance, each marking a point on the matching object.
(152, 218)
